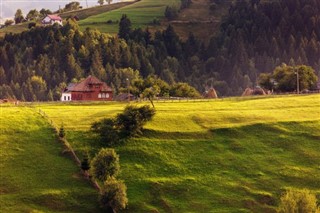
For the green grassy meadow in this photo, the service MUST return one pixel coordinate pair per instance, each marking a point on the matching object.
(230, 155)
(141, 15)
(35, 174)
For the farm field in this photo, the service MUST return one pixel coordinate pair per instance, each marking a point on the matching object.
(35, 174)
(230, 155)
(141, 15)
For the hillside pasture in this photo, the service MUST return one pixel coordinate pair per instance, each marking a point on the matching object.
(36, 175)
(231, 155)
(141, 14)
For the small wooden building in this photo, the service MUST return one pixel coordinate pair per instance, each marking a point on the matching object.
(90, 89)
(51, 20)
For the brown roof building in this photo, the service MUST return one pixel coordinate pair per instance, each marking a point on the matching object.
(51, 19)
(90, 89)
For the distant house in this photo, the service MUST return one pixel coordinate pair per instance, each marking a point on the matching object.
(51, 20)
(90, 89)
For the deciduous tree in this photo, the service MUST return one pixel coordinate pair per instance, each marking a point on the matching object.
(105, 164)
(114, 195)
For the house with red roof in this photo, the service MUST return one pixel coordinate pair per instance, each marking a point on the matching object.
(90, 89)
(51, 20)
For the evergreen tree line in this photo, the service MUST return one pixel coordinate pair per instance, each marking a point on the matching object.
(258, 36)
(255, 37)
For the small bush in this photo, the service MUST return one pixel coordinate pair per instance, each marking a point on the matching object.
(114, 195)
(109, 21)
(127, 124)
(107, 131)
(132, 120)
(171, 12)
(62, 133)
(31, 25)
(85, 163)
(294, 200)
(105, 164)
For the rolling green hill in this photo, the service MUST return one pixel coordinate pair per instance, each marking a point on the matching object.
(230, 155)
(141, 15)
(35, 174)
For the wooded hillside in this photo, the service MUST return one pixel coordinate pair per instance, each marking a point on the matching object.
(255, 37)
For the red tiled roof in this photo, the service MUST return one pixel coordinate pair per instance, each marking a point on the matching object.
(55, 17)
(83, 86)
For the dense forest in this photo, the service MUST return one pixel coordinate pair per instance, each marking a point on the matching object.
(254, 37)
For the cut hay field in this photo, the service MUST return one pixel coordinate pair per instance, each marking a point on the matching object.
(141, 15)
(34, 174)
(231, 155)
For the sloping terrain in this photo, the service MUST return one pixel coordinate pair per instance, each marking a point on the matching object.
(36, 176)
(141, 15)
(230, 155)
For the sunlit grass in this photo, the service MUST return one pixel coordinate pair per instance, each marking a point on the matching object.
(35, 174)
(230, 155)
(141, 14)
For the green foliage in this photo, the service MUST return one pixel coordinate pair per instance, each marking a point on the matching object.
(124, 27)
(284, 78)
(127, 124)
(298, 201)
(171, 12)
(105, 164)
(18, 17)
(8, 22)
(265, 81)
(31, 24)
(101, 2)
(44, 12)
(189, 147)
(62, 133)
(107, 130)
(35, 175)
(184, 90)
(132, 120)
(234, 57)
(85, 163)
(74, 5)
(113, 195)
(33, 15)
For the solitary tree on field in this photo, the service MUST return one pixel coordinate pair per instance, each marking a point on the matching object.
(114, 195)
(105, 164)
(124, 27)
(18, 17)
(101, 2)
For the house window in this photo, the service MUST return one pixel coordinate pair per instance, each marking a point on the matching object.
(68, 98)
(107, 95)
(99, 96)
(103, 95)
(64, 97)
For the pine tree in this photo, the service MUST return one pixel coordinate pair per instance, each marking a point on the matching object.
(124, 27)
(62, 133)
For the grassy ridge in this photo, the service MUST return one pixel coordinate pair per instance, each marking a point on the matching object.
(232, 155)
(141, 15)
(35, 175)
